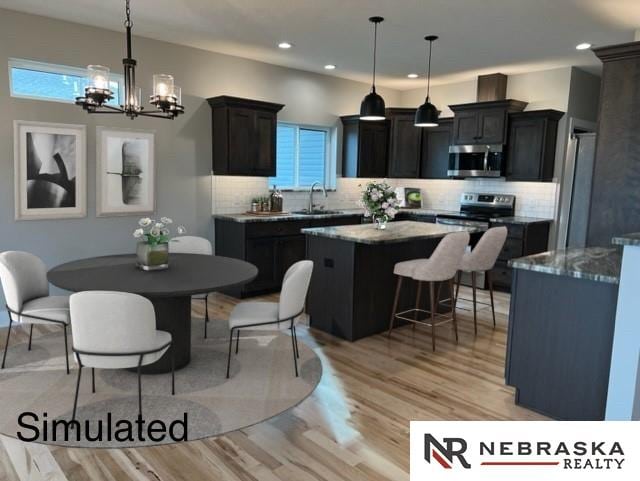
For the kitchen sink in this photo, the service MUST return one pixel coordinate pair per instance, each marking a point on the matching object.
(316, 212)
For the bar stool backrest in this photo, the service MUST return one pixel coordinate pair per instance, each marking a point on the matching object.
(189, 244)
(485, 253)
(445, 260)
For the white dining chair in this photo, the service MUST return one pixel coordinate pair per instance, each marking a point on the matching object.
(482, 258)
(116, 330)
(26, 292)
(281, 314)
(188, 244)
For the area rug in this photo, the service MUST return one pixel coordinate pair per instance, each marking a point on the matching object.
(262, 384)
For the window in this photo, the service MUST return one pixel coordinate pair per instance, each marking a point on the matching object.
(58, 83)
(302, 157)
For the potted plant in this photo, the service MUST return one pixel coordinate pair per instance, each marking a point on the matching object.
(153, 243)
(380, 203)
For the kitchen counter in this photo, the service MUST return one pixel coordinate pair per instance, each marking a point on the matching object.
(518, 219)
(601, 264)
(398, 231)
(627, 240)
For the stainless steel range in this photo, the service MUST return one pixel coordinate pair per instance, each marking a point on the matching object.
(477, 210)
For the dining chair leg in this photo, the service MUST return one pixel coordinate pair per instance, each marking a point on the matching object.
(66, 348)
(30, 336)
(295, 338)
(229, 356)
(6, 344)
(93, 380)
(432, 298)
(293, 346)
(140, 387)
(75, 399)
(418, 294)
(453, 309)
(237, 340)
(173, 370)
(206, 314)
(475, 317)
(493, 309)
(395, 305)
(458, 278)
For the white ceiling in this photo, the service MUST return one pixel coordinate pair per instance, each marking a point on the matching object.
(476, 36)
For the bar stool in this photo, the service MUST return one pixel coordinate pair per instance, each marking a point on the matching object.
(483, 258)
(442, 266)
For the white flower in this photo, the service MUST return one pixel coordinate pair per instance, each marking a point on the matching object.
(391, 212)
(165, 232)
(138, 233)
(181, 230)
(166, 220)
(385, 205)
(159, 225)
(155, 232)
(145, 222)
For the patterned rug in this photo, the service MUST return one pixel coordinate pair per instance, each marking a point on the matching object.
(262, 384)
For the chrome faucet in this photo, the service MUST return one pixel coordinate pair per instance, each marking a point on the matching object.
(324, 190)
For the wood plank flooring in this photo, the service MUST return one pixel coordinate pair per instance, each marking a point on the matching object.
(355, 426)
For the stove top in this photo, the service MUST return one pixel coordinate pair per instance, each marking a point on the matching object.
(483, 207)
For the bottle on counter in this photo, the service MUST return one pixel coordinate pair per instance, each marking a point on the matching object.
(275, 200)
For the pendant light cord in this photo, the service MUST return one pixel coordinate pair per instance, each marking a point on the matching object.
(128, 24)
(375, 48)
(429, 69)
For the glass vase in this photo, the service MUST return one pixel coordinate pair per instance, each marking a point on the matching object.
(153, 257)
(380, 221)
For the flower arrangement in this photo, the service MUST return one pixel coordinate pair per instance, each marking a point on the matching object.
(153, 232)
(380, 202)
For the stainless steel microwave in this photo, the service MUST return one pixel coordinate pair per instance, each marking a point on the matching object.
(475, 161)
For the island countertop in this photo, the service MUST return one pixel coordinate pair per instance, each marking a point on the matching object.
(398, 231)
(600, 264)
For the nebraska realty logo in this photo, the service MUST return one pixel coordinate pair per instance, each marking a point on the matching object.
(524, 450)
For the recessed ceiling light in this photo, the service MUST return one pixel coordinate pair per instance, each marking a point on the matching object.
(413, 75)
(330, 66)
(583, 46)
(285, 45)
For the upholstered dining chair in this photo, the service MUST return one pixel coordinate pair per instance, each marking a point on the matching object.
(26, 292)
(188, 244)
(440, 267)
(483, 258)
(282, 314)
(115, 330)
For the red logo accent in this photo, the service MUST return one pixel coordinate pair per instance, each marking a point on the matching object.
(440, 459)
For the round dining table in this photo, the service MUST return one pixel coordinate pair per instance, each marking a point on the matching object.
(168, 290)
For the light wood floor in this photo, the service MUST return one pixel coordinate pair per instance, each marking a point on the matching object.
(355, 426)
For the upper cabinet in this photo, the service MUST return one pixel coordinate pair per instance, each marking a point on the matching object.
(531, 146)
(405, 144)
(365, 147)
(434, 161)
(244, 136)
(483, 122)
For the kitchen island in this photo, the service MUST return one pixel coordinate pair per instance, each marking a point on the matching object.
(561, 325)
(352, 288)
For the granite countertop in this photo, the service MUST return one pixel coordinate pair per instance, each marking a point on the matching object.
(627, 240)
(600, 264)
(519, 219)
(242, 217)
(398, 231)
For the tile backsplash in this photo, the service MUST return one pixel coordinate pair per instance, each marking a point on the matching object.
(533, 199)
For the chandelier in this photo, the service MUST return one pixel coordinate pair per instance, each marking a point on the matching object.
(166, 98)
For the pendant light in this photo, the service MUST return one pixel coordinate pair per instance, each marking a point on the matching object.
(427, 113)
(372, 106)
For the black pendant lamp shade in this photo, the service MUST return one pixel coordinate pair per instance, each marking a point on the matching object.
(427, 114)
(372, 106)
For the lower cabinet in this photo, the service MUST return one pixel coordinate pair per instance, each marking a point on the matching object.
(271, 246)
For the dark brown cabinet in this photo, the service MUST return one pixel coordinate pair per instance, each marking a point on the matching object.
(365, 146)
(404, 145)
(483, 122)
(531, 149)
(434, 161)
(244, 136)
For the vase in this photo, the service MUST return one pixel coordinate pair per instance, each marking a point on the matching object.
(153, 257)
(380, 221)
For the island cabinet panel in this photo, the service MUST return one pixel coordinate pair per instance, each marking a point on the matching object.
(559, 350)
(244, 136)
(434, 161)
(365, 147)
(405, 144)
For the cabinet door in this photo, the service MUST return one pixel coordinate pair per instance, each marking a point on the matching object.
(261, 252)
(404, 156)
(373, 143)
(524, 155)
(241, 153)
(465, 128)
(291, 249)
(265, 144)
(491, 126)
(435, 151)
